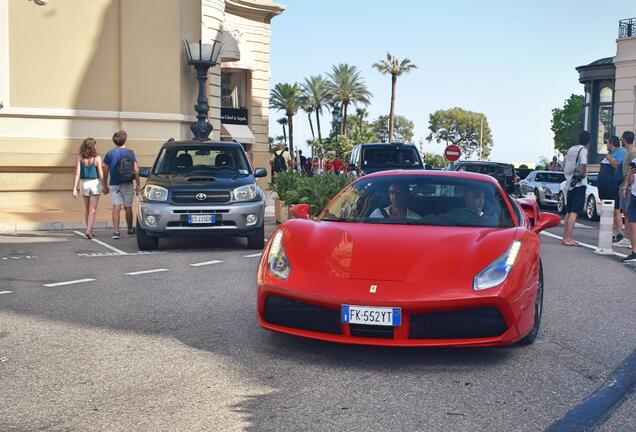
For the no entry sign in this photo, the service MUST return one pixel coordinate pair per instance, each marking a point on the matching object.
(452, 153)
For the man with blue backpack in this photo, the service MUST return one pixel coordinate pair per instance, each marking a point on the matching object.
(610, 178)
(121, 164)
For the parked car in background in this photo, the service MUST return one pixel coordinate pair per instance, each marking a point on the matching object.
(201, 188)
(504, 173)
(369, 158)
(592, 201)
(544, 184)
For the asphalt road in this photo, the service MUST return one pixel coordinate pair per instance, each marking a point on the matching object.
(180, 349)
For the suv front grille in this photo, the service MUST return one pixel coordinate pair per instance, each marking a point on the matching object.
(210, 197)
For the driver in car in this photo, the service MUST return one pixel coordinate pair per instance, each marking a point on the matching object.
(399, 196)
(472, 213)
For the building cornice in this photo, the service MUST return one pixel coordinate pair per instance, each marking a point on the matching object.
(265, 12)
(94, 114)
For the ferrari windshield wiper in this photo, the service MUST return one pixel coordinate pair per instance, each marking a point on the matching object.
(334, 219)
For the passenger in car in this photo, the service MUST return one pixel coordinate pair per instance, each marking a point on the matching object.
(398, 196)
(472, 213)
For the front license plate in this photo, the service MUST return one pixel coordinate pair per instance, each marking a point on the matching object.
(201, 219)
(371, 315)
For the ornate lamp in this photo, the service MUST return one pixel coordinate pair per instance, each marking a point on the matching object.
(202, 57)
(336, 119)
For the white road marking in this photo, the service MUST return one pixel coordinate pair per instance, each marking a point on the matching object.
(115, 254)
(204, 263)
(114, 249)
(589, 246)
(69, 282)
(147, 271)
(579, 225)
(253, 255)
(6, 292)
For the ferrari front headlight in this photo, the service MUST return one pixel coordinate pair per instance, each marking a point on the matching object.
(277, 262)
(497, 272)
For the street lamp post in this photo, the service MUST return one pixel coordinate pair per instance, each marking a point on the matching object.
(336, 119)
(202, 57)
(384, 133)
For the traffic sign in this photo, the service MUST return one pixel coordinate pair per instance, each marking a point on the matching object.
(452, 153)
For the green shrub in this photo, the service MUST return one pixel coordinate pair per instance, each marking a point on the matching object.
(282, 183)
(316, 191)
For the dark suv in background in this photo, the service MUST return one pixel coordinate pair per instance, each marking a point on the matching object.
(369, 158)
(504, 173)
(201, 187)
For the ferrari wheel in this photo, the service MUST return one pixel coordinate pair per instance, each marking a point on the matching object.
(538, 309)
(561, 203)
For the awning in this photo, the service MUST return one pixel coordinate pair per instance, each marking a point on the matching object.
(229, 49)
(239, 133)
(246, 57)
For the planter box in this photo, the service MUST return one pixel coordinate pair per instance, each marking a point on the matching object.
(281, 211)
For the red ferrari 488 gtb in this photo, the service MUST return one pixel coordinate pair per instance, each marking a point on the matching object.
(408, 258)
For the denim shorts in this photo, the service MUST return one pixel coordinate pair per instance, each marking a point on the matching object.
(631, 208)
(122, 194)
(576, 200)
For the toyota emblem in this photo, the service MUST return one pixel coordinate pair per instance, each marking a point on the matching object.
(200, 196)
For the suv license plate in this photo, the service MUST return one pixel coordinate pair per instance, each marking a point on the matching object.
(382, 316)
(201, 219)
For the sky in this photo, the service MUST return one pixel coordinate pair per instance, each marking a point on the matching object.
(514, 61)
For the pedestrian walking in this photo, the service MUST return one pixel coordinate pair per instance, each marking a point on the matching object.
(554, 165)
(627, 138)
(89, 175)
(610, 178)
(575, 170)
(280, 159)
(120, 164)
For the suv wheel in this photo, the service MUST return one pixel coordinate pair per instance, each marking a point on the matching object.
(257, 240)
(144, 241)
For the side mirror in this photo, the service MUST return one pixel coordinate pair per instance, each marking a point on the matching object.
(546, 220)
(260, 172)
(144, 172)
(300, 211)
(530, 208)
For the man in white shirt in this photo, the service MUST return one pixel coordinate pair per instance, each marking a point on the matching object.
(575, 170)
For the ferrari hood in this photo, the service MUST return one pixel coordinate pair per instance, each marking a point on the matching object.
(393, 252)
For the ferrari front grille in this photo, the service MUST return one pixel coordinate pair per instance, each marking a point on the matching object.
(480, 322)
(305, 316)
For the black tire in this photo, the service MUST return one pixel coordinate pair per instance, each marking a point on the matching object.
(538, 310)
(144, 241)
(537, 198)
(561, 203)
(590, 208)
(257, 240)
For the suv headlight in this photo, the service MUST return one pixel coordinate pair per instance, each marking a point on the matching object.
(497, 272)
(245, 193)
(277, 262)
(155, 193)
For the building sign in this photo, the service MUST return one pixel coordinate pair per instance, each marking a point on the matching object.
(234, 116)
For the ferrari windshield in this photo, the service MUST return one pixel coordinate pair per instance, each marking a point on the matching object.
(421, 200)
(219, 161)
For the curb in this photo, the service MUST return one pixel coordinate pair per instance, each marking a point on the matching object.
(15, 227)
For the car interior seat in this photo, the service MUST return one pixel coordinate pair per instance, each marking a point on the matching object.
(223, 159)
(184, 162)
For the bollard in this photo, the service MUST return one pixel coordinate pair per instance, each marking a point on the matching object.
(605, 229)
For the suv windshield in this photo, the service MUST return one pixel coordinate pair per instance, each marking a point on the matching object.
(550, 177)
(187, 160)
(421, 200)
(375, 156)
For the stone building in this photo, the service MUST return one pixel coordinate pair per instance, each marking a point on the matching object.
(70, 69)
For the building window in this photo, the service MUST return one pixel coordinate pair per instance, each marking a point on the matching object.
(233, 88)
(606, 95)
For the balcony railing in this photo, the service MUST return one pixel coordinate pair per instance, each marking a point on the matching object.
(627, 28)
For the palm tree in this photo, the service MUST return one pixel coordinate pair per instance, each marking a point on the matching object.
(316, 89)
(283, 121)
(391, 66)
(286, 97)
(308, 107)
(361, 113)
(347, 87)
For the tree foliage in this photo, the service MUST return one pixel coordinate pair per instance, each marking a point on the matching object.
(287, 97)
(462, 128)
(347, 87)
(403, 128)
(435, 160)
(567, 123)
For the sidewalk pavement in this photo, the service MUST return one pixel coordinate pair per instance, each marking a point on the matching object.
(67, 217)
